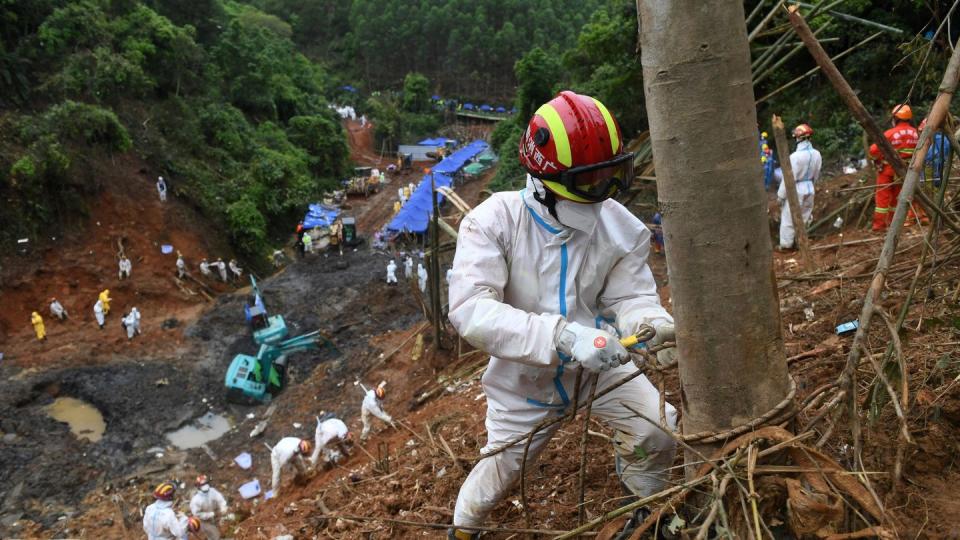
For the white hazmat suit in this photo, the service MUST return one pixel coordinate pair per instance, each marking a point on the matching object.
(422, 277)
(328, 431)
(285, 451)
(805, 163)
(518, 275)
(160, 522)
(408, 268)
(181, 267)
(391, 272)
(125, 267)
(162, 189)
(98, 312)
(372, 406)
(207, 504)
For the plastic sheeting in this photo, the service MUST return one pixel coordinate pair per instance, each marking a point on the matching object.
(436, 141)
(320, 215)
(415, 215)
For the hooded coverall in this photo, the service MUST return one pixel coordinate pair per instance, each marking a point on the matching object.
(408, 268)
(327, 431)
(422, 277)
(125, 267)
(285, 451)
(38, 327)
(391, 272)
(98, 312)
(56, 309)
(904, 139)
(518, 273)
(161, 523)
(206, 505)
(105, 301)
(181, 267)
(372, 406)
(805, 164)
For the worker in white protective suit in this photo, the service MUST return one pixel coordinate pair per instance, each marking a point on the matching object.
(205, 268)
(57, 309)
(162, 189)
(181, 266)
(391, 273)
(422, 277)
(125, 267)
(235, 271)
(288, 449)
(542, 278)
(222, 269)
(408, 267)
(373, 406)
(98, 313)
(331, 431)
(160, 522)
(208, 505)
(805, 164)
(132, 323)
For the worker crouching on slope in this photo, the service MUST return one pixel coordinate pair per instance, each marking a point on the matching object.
(160, 522)
(805, 164)
(373, 406)
(207, 505)
(286, 450)
(329, 432)
(536, 274)
(903, 137)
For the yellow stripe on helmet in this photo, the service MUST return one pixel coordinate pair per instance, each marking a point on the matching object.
(557, 132)
(611, 127)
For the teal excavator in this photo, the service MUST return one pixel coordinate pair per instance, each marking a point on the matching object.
(253, 380)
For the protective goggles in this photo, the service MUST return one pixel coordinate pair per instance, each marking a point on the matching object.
(596, 182)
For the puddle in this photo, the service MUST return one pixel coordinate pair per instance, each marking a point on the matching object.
(207, 428)
(84, 419)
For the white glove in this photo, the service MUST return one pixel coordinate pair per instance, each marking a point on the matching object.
(665, 332)
(596, 350)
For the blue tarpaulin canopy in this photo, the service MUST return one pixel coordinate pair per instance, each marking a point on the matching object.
(348, 88)
(435, 97)
(468, 106)
(320, 215)
(415, 214)
(436, 141)
(501, 109)
(486, 108)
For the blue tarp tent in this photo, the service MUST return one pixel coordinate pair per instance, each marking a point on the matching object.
(415, 215)
(436, 141)
(349, 88)
(435, 97)
(468, 106)
(486, 108)
(320, 215)
(501, 110)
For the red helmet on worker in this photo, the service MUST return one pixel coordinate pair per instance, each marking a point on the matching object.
(202, 480)
(193, 524)
(574, 146)
(380, 392)
(902, 112)
(802, 132)
(165, 491)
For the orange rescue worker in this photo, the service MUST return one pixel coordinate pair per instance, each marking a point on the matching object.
(903, 137)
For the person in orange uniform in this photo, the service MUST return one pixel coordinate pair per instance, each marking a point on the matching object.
(903, 136)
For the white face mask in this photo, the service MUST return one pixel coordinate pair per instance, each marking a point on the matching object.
(205, 488)
(571, 214)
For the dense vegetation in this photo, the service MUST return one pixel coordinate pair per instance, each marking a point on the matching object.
(216, 98)
(230, 99)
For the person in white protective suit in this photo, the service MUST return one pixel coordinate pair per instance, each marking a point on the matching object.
(207, 505)
(422, 277)
(125, 267)
(57, 310)
(408, 267)
(805, 164)
(160, 522)
(391, 273)
(540, 275)
(162, 189)
(235, 270)
(222, 269)
(286, 450)
(132, 323)
(373, 406)
(205, 268)
(328, 432)
(98, 313)
(181, 266)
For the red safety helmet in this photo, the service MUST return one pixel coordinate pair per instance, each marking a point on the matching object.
(202, 480)
(380, 392)
(165, 491)
(803, 131)
(193, 524)
(573, 145)
(902, 112)
(305, 447)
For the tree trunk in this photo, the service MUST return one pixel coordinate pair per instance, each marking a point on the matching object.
(703, 125)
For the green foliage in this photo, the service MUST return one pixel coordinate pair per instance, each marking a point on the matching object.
(323, 139)
(78, 123)
(416, 93)
(247, 227)
(537, 73)
(505, 140)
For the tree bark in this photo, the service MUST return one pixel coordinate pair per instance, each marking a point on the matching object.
(703, 125)
(790, 183)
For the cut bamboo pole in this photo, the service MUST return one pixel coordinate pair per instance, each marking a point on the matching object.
(790, 183)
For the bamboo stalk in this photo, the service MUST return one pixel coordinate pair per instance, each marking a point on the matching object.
(789, 182)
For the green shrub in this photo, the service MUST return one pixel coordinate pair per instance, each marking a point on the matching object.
(247, 227)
